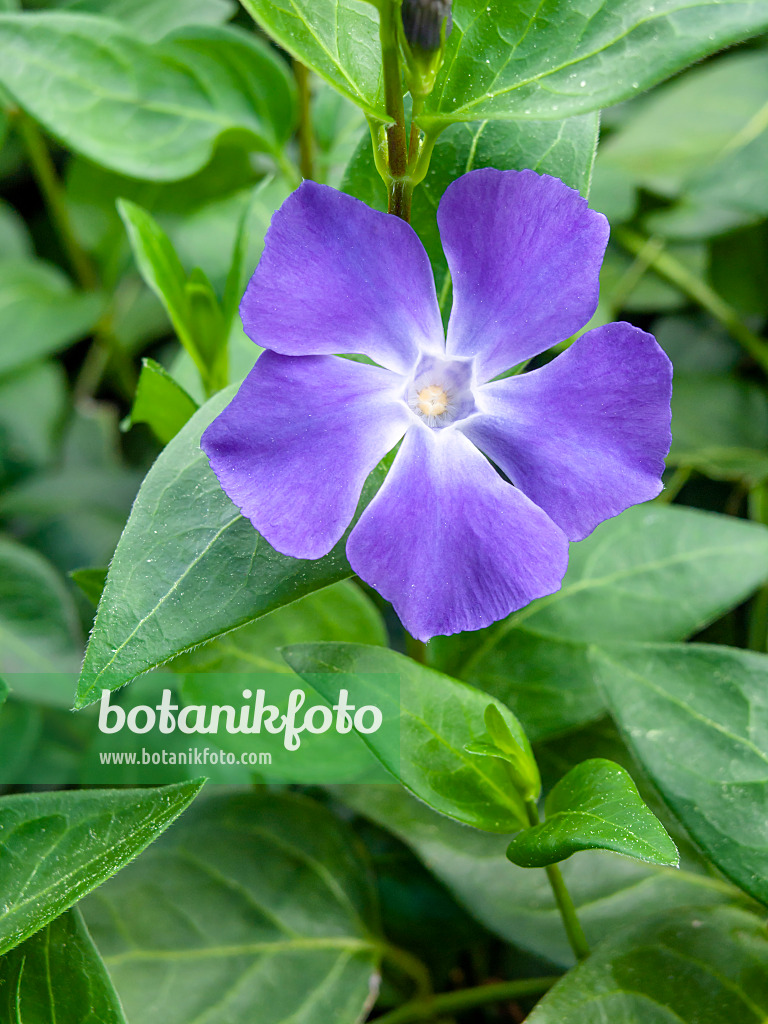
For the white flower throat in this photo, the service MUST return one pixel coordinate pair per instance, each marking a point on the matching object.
(440, 391)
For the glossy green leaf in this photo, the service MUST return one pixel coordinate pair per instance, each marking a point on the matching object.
(57, 977)
(552, 59)
(517, 904)
(39, 630)
(196, 567)
(518, 756)
(153, 19)
(654, 573)
(58, 846)
(695, 716)
(507, 61)
(256, 904)
(40, 311)
(696, 967)
(595, 806)
(339, 39)
(160, 402)
(438, 718)
(153, 112)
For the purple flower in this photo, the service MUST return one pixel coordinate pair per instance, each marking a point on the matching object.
(448, 540)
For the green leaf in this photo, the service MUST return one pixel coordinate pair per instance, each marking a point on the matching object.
(204, 569)
(3, 691)
(695, 967)
(32, 404)
(233, 286)
(595, 806)
(214, 675)
(653, 573)
(695, 718)
(57, 975)
(721, 425)
(162, 271)
(565, 149)
(517, 904)
(39, 629)
(339, 39)
(206, 319)
(40, 311)
(666, 140)
(15, 240)
(339, 612)
(160, 402)
(153, 19)
(91, 582)
(254, 904)
(514, 750)
(153, 112)
(20, 728)
(554, 60)
(438, 718)
(76, 509)
(58, 846)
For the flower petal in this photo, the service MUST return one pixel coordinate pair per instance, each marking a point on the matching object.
(339, 277)
(450, 543)
(524, 252)
(586, 435)
(295, 445)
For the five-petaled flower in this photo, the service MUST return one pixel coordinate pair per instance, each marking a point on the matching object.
(494, 475)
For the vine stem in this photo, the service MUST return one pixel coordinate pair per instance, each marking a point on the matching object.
(52, 192)
(306, 135)
(672, 270)
(565, 905)
(466, 999)
(105, 345)
(400, 186)
(411, 966)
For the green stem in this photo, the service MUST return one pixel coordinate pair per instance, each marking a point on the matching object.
(672, 270)
(634, 274)
(412, 967)
(306, 135)
(105, 346)
(671, 490)
(565, 905)
(399, 184)
(53, 195)
(466, 999)
(105, 350)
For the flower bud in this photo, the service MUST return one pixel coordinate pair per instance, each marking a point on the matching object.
(423, 22)
(425, 27)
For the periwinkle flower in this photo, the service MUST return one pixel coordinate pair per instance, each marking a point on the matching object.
(449, 540)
